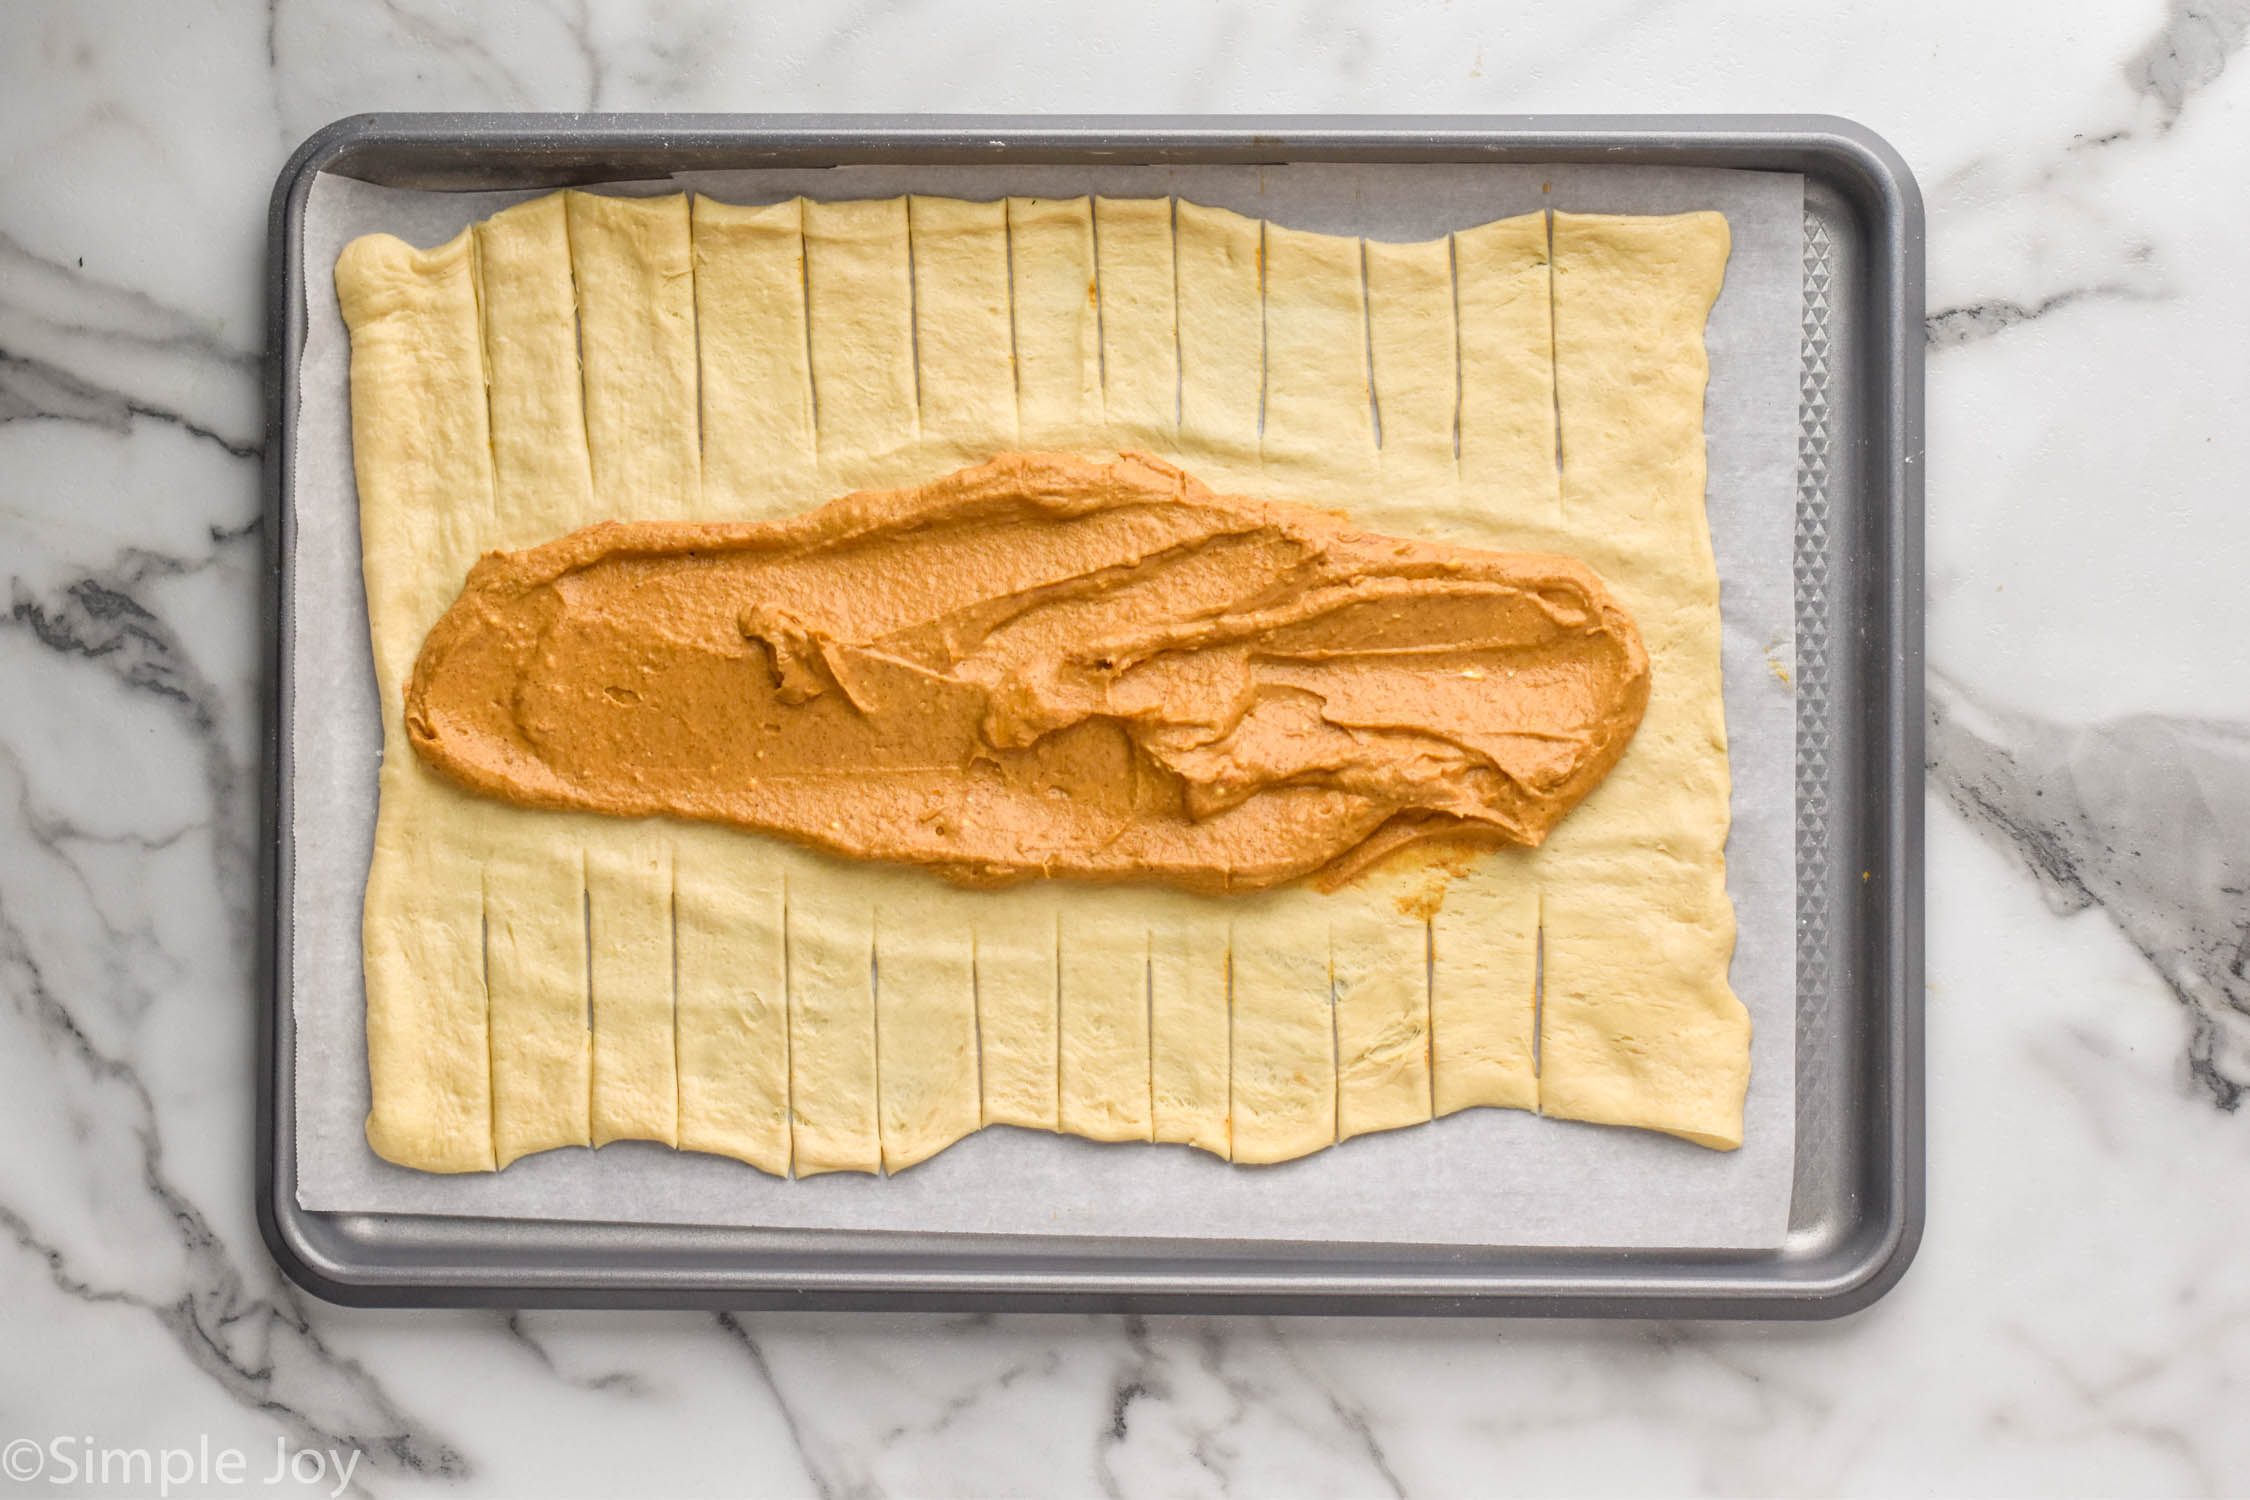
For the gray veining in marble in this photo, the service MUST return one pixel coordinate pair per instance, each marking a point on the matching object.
(2079, 1321)
(2146, 817)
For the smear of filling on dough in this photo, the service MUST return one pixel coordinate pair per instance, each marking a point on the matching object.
(1040, 666)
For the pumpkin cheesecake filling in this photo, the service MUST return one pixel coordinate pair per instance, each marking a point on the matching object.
(1040, 666)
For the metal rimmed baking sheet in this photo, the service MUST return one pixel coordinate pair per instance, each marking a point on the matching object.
(418, 1258)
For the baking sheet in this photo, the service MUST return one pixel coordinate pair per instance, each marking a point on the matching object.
(1485, 1177)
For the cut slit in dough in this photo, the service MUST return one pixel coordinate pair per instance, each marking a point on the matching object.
(748, 362)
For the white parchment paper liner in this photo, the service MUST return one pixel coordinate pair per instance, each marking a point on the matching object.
(1483, 1177)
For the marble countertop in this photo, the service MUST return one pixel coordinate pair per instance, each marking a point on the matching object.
(2079, 1318)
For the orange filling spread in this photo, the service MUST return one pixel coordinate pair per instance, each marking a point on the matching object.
(1040, 666)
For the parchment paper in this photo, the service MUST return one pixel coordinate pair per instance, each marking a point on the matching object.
(1498, 1177)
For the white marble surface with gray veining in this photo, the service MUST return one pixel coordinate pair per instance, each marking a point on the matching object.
(2079, 1319)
